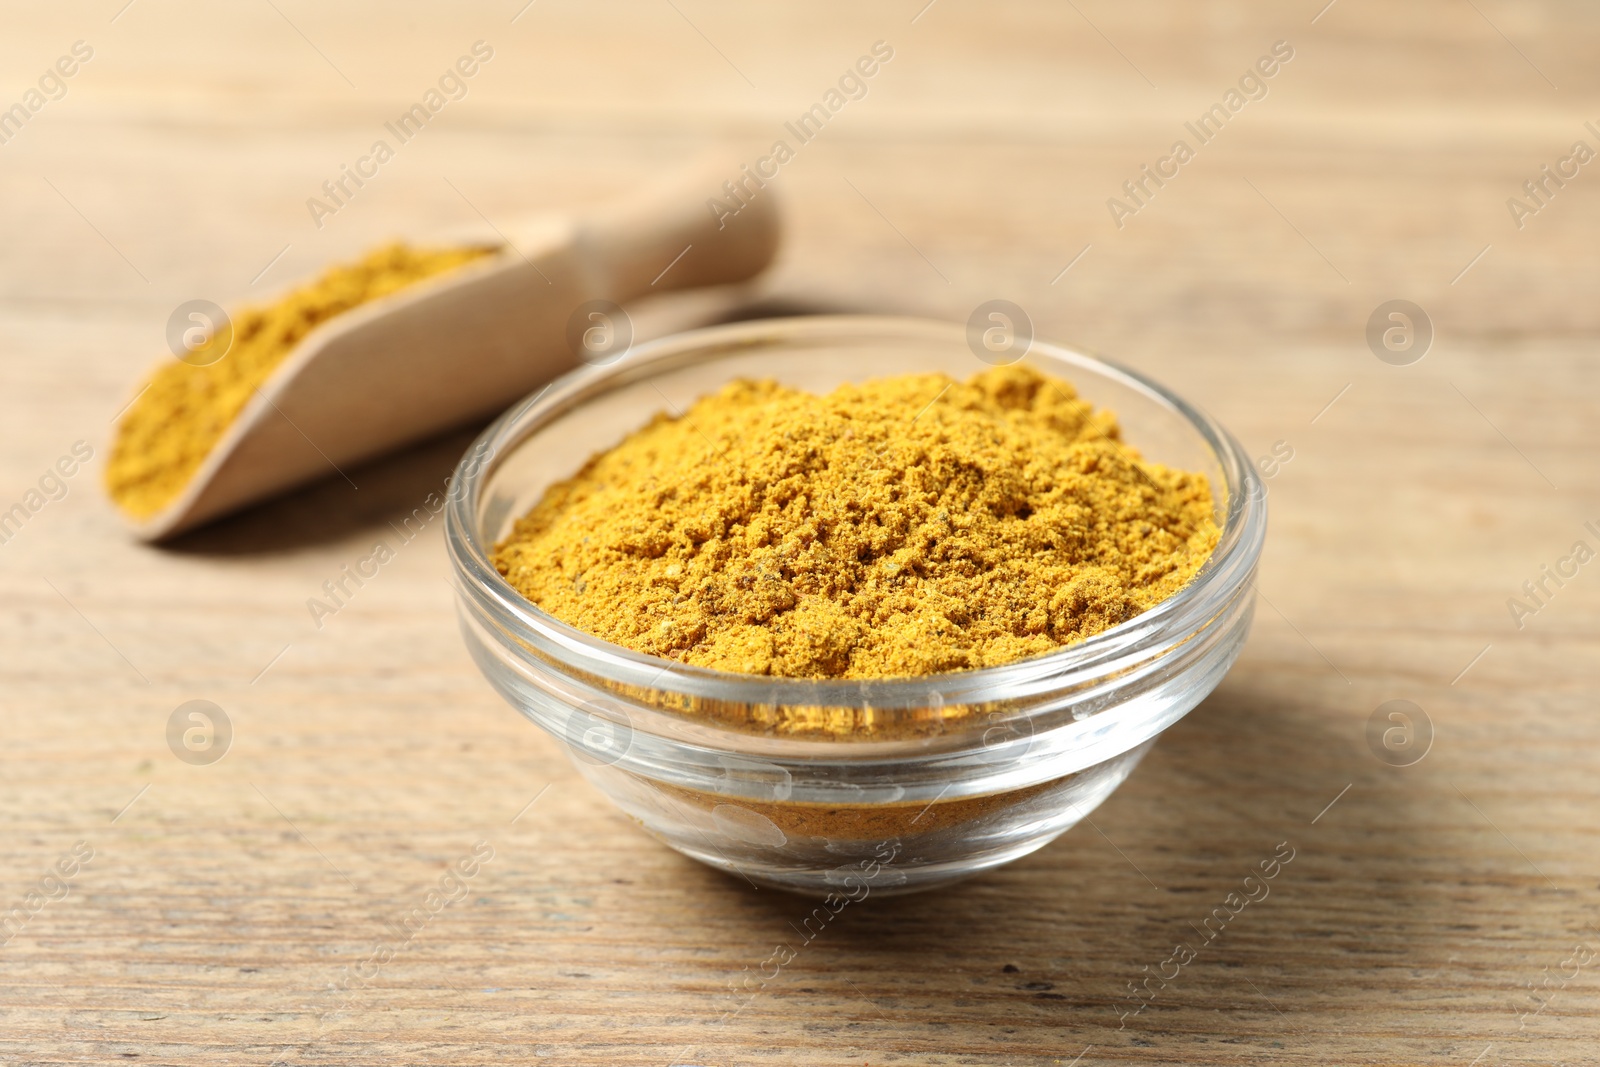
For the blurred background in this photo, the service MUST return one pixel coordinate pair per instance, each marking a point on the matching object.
(991, 142)
(1379, 162)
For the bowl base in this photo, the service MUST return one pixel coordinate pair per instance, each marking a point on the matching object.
(892, 883)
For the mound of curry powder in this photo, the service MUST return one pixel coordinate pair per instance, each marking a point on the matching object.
(905, 526)
(187, 405)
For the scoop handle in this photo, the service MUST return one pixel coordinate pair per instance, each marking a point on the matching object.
(684, 233)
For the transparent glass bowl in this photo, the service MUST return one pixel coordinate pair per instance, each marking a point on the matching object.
(946, 775)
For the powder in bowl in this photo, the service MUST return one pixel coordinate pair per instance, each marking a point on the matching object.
(904, 526)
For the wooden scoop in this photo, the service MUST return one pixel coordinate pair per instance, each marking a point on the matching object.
(466, 344)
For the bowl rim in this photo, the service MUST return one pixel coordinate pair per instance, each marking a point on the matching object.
(1231, 564)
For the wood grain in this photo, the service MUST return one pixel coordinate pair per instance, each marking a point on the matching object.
(225, 903)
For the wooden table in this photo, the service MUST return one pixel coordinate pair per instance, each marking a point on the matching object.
(224, 904)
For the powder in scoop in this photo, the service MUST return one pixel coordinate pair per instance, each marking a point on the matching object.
(904, 526)
(179, 416)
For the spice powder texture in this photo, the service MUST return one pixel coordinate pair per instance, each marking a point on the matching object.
(184, 410)
(904, 526)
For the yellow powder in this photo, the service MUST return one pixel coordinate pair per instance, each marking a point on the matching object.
(168, 431)
(905, 526)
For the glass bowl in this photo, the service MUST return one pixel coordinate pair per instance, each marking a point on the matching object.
(943, 775)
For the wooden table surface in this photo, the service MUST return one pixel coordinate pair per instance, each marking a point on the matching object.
(1447, 912)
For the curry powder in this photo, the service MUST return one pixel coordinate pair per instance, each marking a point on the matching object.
(900, 527)
(185, 408)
